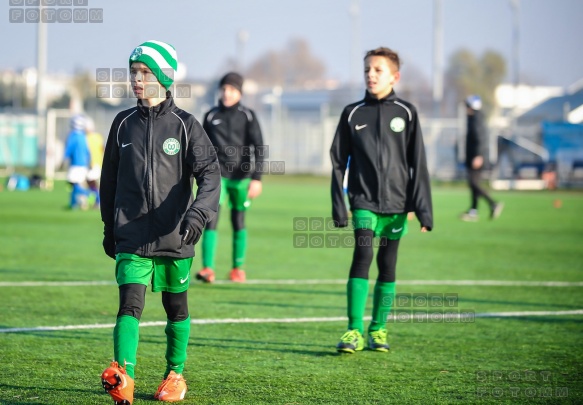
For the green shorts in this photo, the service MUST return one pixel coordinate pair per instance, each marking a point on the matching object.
(391, 226)
(236, 191)
(166, 273)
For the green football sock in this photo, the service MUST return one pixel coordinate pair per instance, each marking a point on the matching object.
(357, 294)
(177, 335)
(383, 298)
(126, 334)
(209, 247)
(239, 248)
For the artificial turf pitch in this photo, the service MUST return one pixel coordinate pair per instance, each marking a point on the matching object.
(271, 341)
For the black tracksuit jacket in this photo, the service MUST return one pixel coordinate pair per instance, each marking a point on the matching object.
(151, 157)
(476, 138)
(236, 134)
(388, 169)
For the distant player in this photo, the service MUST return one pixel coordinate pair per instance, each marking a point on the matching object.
(96, 149)
(78, 157)
(388, 178)
(476, 147)
(154, 151)
(235, 132)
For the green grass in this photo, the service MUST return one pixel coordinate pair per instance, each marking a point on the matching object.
(525, 359)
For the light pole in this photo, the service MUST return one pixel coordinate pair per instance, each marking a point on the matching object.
(437, 56)
(355, 51)
(242, 38)
(41, 102)
(515, 4)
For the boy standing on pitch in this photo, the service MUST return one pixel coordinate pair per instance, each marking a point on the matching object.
(78, 156)
(151, 220)
(388, 178)
(96, 149)
(235, 132)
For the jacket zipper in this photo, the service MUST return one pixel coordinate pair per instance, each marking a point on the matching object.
(149, 164)
(380, 157)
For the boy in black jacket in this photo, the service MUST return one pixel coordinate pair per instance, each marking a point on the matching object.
(388, 178)
(234, 131)
(151, 220)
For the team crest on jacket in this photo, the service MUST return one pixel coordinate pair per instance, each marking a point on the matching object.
(397, 124)
(171, 146)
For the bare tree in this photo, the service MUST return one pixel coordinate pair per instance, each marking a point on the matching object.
(468, 74)
(295, 66)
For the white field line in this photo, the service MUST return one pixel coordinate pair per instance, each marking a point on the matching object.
(497, 283)
(466, 316)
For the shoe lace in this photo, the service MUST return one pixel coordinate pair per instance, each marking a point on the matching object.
(173, 382)
(349, 336)
(378, 336)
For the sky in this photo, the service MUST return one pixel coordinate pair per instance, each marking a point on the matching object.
(205, 34)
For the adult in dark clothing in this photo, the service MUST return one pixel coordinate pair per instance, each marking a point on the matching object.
(476, 148)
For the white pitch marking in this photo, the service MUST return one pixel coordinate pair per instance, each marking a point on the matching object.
(400, 318)
(497, 283)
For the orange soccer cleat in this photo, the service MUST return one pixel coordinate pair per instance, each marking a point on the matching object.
(118, 384)
(206, 275)
(172, 389)
(237, 276)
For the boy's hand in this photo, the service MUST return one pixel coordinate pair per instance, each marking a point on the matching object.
(255, 188)
(190, 229)
(423, 229)
(109, 242)
(477, 162)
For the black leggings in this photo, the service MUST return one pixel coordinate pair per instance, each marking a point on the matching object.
(474, 178)
(132, 299)
(237, 221)
(363, 255)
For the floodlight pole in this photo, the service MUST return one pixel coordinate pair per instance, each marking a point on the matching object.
(437, 56)
(355, 52)
(41, 102)
(242, 38)
(515, 4)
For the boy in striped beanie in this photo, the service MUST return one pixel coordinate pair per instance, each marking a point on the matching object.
(151, 221)
(157, 62)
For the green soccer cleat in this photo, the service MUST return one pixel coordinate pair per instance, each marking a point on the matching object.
(377, 340)
(352, 341)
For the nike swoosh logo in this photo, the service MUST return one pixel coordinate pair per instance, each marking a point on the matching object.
(123, 145)
(359, 127)
(183, 280)
(397, 230)
(216, 122)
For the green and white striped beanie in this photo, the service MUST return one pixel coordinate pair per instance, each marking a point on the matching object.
(160, 57)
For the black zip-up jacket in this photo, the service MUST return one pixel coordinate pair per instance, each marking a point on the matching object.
(476, 138)
(236, 134)
(151, 157)
(387, 173)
